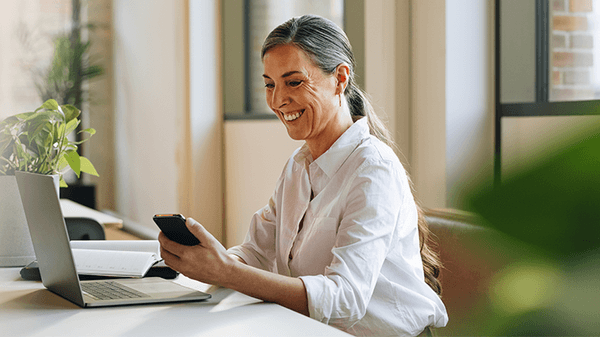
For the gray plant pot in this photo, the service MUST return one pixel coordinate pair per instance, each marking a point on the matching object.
(16, 248)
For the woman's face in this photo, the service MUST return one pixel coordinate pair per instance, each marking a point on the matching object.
(301, 95)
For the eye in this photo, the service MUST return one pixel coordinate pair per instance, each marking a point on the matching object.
(269, 85)
(294, 83)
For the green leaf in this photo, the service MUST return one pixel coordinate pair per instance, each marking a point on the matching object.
(45, 116)
(5, 142)
(62, 183)
(71, 112)
(49, 140)
(48, 105)
(88, 167)
(60, 132)
(74, 161)
(62, 164)
(91, 131)
(55, 134)
(92, 71)
(38, 135)
(22, 154)
(61, 111)
(8, 122)
(552, 204)
(15, 119)
(72, 125)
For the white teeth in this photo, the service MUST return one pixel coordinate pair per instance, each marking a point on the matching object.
(292, 117)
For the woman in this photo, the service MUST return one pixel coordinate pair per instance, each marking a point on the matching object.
(339, 240)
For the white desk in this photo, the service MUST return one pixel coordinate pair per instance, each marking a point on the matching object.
(73, 209)
(27, 308)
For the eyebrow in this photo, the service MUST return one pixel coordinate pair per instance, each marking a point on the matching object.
(289, 73)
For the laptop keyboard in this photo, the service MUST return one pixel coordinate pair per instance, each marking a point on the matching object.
(110, 290)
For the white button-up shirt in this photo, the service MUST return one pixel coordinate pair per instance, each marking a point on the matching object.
(357, 250)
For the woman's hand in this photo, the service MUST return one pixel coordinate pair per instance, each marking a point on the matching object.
(209, 262)
(206, 262)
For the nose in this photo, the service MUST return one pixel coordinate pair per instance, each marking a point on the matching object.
(279, 98)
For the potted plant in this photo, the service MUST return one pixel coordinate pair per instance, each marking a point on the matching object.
(34, 142)
(70, 66)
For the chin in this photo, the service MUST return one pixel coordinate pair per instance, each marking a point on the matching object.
(295, 135)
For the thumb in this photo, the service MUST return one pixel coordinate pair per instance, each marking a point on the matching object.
(198, 230)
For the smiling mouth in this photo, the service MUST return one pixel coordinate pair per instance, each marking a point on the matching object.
(293, 116)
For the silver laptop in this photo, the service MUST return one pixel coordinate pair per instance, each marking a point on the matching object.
(57, 267)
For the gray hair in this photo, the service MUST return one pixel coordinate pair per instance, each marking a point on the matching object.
(328, 46)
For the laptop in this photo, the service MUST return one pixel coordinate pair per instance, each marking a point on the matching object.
(56, 264)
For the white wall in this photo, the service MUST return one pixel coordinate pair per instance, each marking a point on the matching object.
(150, 107)
(168, 138)
(255, 153)
(387, 60)
(206, 187)
(381, 60)
(17, 86)
(100, 111)
(428, 101)
(469, 97)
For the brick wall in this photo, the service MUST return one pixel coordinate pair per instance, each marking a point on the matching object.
(573, 25)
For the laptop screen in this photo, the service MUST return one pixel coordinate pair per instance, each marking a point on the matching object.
(49, 235)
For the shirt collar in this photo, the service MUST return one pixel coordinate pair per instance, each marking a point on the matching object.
(303, 156)
(336, 155)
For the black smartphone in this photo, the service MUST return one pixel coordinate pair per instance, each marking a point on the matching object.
(173, 225)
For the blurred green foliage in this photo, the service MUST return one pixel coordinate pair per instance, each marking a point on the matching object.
(552, 206)
(70, 66)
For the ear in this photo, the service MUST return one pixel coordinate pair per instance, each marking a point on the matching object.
(342, 76)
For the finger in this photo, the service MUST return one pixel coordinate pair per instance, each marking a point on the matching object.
(170, 245)
(167, 255)
(172, 261)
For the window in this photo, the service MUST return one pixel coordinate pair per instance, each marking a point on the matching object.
(547, 61)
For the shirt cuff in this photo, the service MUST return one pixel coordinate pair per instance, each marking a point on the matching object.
(248, 257)
(314, 294)
(321, 293)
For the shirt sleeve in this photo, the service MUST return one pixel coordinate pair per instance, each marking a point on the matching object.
(367, 231)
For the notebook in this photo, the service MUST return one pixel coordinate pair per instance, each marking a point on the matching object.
(56, 264)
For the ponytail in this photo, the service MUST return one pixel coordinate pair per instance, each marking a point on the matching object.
(430, 258)
(360, 106)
